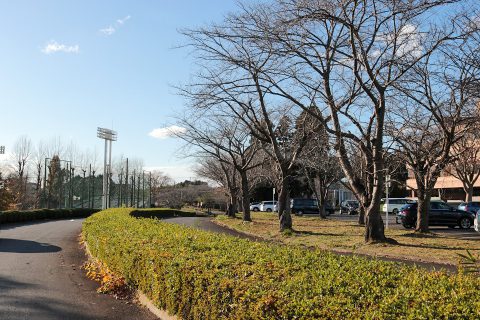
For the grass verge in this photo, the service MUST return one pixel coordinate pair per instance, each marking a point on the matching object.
(347, 236)
(201, 275)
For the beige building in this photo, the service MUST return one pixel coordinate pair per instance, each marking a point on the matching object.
(447, 188)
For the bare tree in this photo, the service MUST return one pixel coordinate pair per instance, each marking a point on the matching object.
(21, 153)
(439, 100)
(39, 164)
(466, 164)
(319, 163)
(231, 84)
(223, 174)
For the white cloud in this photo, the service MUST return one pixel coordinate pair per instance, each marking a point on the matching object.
(108, 31)
(163, 133)
(53, 47)
(122, 21)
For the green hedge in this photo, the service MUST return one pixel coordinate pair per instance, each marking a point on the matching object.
(201, 275)
(161, 213)
(29, 215)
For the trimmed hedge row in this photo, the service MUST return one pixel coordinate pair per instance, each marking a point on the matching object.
(29, 215)
(202, 275)
(161, 213)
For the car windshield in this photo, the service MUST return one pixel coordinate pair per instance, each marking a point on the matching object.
(407, 206)
(352, 203)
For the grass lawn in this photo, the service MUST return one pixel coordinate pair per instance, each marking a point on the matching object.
(347, 236)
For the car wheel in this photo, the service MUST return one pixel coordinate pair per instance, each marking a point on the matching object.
(269, 210)
(395, 211)
(465, 223)
(256, 209)
(407, 225)
(299, 213)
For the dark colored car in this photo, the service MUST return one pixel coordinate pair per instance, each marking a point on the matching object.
(440, 214)
(469, 206)
(308, 206)
(329, 208)
(349, 207)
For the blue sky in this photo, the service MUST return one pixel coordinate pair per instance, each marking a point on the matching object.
(68, 67)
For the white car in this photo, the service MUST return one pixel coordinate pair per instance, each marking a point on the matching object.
(476, 222)
(268, 206)
(255, 206)
(394, 204)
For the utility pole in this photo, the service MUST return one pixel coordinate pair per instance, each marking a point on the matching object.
(109, 136)
(138, 190)
(150, 189)
(387, 185)
(83, 187)
(143, 189)
(132, 195)
(93, 189)
(120, 180)
(126, 184)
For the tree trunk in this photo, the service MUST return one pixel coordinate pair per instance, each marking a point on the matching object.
(423, 208)
(374, 229)
(245, 197)
(468, 188)
(361, 215)
(322, 211)
(284, 206)
(231, 208)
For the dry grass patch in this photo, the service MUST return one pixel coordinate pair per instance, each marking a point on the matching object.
(347, 236)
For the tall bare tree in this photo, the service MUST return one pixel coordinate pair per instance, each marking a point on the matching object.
(227, 140)
(466, 164)
(21, 154)
(437, 105)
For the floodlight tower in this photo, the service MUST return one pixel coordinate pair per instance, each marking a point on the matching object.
(109, 136)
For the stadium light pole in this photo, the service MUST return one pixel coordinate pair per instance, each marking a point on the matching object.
(109, 136)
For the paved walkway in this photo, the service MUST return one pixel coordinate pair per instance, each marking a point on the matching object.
(41, 278)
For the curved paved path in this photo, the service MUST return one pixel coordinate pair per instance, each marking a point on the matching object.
(40, 276)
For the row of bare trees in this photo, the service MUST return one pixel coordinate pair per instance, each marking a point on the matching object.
(37, 175)
(362, 77)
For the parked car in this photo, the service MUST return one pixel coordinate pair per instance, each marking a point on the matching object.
(268, 206)
(349, 207)
(469, 206)
(394, 204)
(476, 222)
(300, 206)
(329, 208)
(255, 206)
(440, 214)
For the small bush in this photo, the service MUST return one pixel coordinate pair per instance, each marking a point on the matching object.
(161, 213)
(30, 215)
(202, 275)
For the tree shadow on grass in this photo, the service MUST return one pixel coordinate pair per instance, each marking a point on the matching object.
(313, 233)
(426, 246)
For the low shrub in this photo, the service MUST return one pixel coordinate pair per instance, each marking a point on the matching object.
(30, 215)
(161, 213)
(201, 275)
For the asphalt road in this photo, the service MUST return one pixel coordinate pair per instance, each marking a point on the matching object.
(40, 276)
